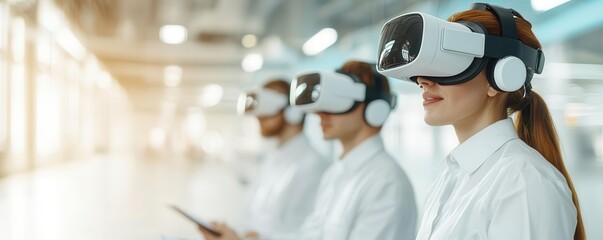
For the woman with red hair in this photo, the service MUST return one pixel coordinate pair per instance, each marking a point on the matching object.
(504, 180)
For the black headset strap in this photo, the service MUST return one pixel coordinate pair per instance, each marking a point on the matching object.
(533, 58)
(377, 91)
(508, 28)
(377, 81)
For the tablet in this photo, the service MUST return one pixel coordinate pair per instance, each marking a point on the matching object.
(197, 220)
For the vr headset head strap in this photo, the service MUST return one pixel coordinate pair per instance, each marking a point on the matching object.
(356, 79)
(508, 28)
(533, 58)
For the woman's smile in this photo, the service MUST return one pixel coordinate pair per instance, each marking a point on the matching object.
(430, 98)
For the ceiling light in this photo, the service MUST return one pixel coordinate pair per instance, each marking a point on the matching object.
(252, 62)
(545, 5)
(320, 41)
(172, 34)
(249, 41)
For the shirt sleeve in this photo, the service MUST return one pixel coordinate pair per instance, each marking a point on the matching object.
(384, 215)
(532, 206)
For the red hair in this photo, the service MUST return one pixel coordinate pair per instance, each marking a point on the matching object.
(533, 123)
(365, 72)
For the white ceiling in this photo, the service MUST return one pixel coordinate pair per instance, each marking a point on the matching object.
(123, 34)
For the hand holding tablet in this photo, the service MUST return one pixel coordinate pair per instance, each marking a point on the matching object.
(200, 222)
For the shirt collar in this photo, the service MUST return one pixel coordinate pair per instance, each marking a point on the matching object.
(472, 153)
(361, 154)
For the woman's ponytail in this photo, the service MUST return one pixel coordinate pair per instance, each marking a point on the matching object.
(535, 127)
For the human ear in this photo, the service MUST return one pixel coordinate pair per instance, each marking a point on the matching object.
(492, 92)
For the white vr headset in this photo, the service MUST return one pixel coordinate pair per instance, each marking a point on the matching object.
(340, 93)
(420, 45)
(266, 103)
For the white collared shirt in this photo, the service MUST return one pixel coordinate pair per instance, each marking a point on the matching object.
(495, 186)
(364, 196)
(285, 191)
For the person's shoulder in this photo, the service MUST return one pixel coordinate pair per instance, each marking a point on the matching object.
(523, 176)
(303, 149)
(519, 157)
(383, 174)
(525, 167)
(310, 159)
(383, 166)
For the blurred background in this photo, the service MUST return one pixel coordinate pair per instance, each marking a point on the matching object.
(112, 109)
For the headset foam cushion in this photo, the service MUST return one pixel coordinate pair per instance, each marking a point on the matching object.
(507, 74)
(293, 116)
(376, 112)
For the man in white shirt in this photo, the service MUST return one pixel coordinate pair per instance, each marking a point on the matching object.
(284, 192)
(364, 195)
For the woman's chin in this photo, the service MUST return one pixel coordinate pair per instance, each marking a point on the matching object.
(434, 121)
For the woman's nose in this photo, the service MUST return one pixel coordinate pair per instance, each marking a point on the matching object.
(423, 82)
